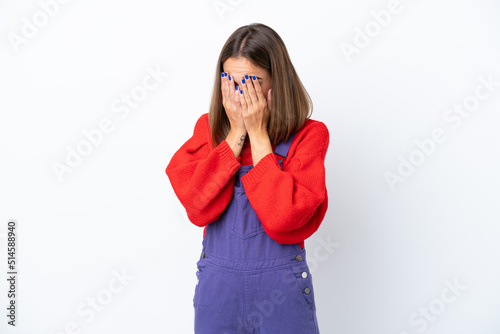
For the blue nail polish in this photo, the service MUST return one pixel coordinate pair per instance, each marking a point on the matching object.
(242, 81)
(222, 74)
(241, 92)
(229, 78)
(236, 87)
(246, 76)
(253, 78)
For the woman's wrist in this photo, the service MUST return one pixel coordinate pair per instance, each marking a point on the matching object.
(260, 144)
(235, 140)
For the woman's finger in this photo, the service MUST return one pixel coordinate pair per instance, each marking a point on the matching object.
(243, 100)
(244, 89)
(258, 89)
(225, 89)
(251, 89)
(237, 96)
(231, 88)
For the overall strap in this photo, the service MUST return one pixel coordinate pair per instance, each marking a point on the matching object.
(283, 147)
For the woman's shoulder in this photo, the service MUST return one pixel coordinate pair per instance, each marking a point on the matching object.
(202, 127)
(203, 120)
(312, 127)
(312, 138)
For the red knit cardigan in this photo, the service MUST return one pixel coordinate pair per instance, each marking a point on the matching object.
(290, 203)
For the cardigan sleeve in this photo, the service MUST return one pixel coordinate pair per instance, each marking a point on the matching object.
(291, 203)
(201, 177)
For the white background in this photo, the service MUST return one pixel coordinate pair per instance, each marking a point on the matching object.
(380, 258)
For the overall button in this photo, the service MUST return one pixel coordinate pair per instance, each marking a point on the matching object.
(298, 258)
(203, 255)
(307, 290)
(304, 274)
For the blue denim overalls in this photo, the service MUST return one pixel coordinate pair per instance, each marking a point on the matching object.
(247, 282)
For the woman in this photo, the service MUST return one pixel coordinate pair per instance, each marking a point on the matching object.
(253, 176)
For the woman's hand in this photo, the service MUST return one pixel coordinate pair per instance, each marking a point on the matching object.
(232, 105)
(255, 106)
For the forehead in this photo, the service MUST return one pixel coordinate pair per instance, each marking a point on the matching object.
(240, 66)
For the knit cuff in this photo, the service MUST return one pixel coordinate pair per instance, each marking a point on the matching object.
(268, 164)
(227, 157)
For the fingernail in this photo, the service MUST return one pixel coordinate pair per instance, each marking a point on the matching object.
(253, 78)
(246, 76)
(241, 92)
(236, 87)
(229, 78)
(242, 81)
(222, 74)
